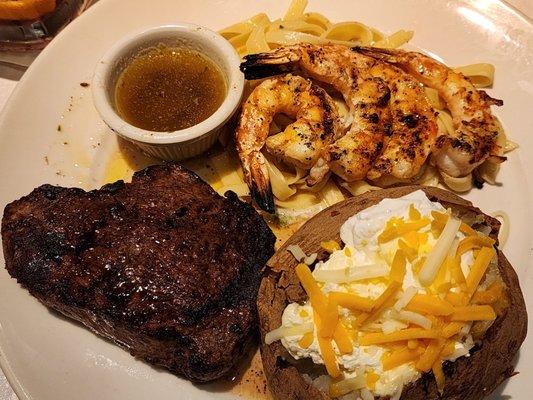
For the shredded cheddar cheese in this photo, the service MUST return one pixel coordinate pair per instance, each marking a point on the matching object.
(306, 340)
(400, 357)
(452, 329)
(483, 259)
(342, 339)
(316, 297)
(439, 375)
(427, 304)
(328, 355)
(471, 242)
(431, 355)
(379, 304)
(493, 293)
(329, 320)
(352, 301)
(473, 313)
(397, 272)
(398, 228)
(414, 214)
(330, 246)
(404, 334)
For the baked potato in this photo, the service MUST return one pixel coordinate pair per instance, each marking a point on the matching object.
(475, 377)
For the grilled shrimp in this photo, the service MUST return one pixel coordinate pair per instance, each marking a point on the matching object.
(476, 130)
(394, 127)
(303, 143)
(413, 132)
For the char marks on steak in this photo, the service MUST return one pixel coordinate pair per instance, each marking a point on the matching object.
(163, 266)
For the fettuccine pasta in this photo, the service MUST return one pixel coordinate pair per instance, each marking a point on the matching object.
(259, 34)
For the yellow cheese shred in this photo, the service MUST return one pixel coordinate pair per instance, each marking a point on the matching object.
(397, 272)
(370, 379)
(342, 339)
(400, 357)
(316, 297)
(473, 313)
(448, 348)
(471, 242)
(431, 355)
(428, 304)
(481, 263)
(412, 239)
(352, 301)
(326, 350)
(410, 252)
(493, 293)
(439, 375)
(328, 355)
(440, 220)
(452, 329)
(440, 283)
(329, 320)
(330, 246)
(398, 227)
(454, 263)
(319, 303)
(414, 214)
(379, 304)
(306, 340)
(401, 335)
(455, 299)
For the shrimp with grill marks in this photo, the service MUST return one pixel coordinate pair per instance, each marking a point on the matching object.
(367, 97)
(475, 129)
(414, 128)
(303, 144)
(394, 127)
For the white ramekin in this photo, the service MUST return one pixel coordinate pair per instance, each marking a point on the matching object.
(184, 143)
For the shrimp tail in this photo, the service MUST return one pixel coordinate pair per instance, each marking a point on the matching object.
(490, 100)
(387, 55)
(259, 182)
(262, 65)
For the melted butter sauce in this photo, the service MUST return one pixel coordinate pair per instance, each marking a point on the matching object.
(247, 381)
(167, 89)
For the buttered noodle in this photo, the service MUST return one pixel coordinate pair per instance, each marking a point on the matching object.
(260, 34)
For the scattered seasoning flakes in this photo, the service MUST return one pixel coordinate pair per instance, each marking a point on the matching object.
(59, 128)
(84, 84)
(46, 161)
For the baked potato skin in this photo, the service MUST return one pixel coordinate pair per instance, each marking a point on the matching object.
(471, 378)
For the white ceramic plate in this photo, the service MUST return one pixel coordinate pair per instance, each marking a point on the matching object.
(47, 357)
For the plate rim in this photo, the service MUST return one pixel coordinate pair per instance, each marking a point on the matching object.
(5, 365)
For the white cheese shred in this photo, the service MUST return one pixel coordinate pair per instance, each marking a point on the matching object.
(366, 394)
(414, 318)
(297, 252)
(283, 331)
(300, 255)
(439, 252)
(406, 297)
(345, 275)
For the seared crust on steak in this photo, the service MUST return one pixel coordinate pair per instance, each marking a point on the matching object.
(164, 266)
(471, 378)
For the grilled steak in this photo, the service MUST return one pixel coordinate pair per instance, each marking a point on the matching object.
(164, 266)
